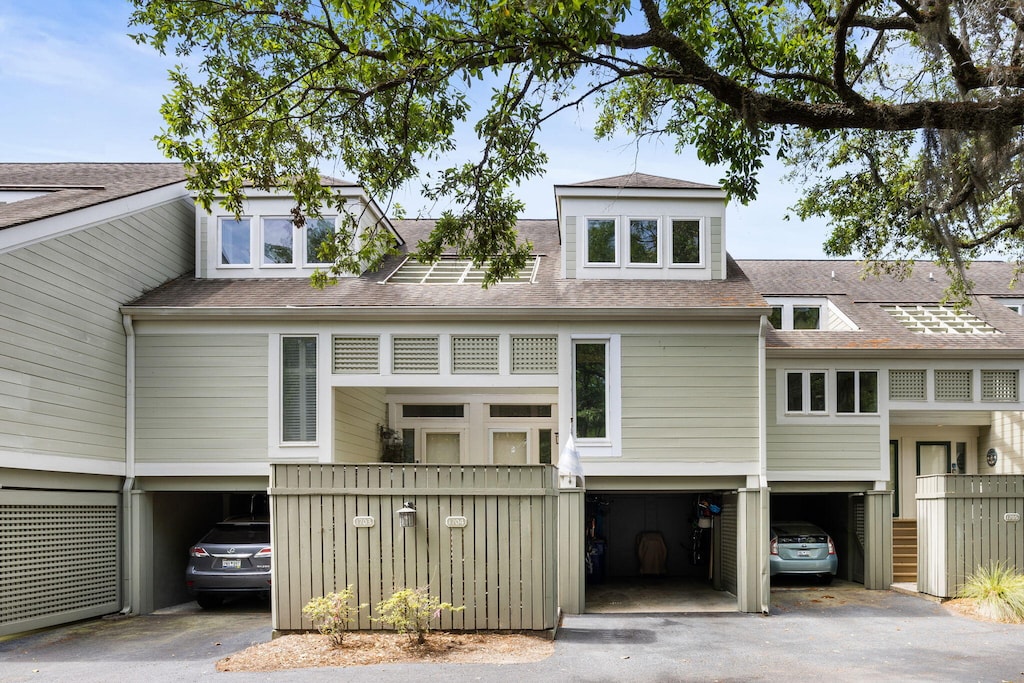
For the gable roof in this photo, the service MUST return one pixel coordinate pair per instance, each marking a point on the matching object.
(549, 295)
(645, 181)
(861, 298)
(66, 187)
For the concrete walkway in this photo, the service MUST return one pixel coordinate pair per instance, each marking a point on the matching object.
(842, 633)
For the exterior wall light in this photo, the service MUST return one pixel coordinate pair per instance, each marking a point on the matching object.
(407, 515)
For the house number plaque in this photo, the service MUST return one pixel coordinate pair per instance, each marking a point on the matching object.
(362, 521)
(455, 522)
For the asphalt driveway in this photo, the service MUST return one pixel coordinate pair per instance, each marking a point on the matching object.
(841, 632)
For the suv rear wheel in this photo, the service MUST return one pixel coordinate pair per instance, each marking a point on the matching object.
(210, 601)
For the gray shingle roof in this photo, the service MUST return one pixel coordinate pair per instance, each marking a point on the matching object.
(861, 297)
(73, 186)
(550, 293)
(643, 180)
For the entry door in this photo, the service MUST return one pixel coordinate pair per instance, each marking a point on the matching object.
(933, 457)
(442, 448)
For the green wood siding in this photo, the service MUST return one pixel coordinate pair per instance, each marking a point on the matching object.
(201, 398)
(62, 343)
(715, 230)
(830, 445)
(570, 247)
(690, 398)
(357, 414)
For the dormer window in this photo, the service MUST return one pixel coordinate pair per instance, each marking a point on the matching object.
(278, 240)
(601, 240)
(235, 242)
(807, 313)
(643, 241)
(318, 232)
(686, 242)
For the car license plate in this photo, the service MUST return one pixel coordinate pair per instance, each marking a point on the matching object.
(803, 553)
(231, 564)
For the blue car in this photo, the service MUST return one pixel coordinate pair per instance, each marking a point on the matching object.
(802, 548)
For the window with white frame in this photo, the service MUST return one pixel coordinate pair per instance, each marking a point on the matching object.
(643, 241)
(856, 391)
(319, 234)
(590, 389)
(298, 389)
(601, 241)
(806, 391)
(235, 242)
(686, 242)
(804, 314)
(278, 242)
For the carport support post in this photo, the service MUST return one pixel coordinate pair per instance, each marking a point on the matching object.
(878, 540)
(752, 581)
(139, 563)
(571, 549)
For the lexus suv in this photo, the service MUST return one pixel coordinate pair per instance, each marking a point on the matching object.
(232, 559)
(802, 548)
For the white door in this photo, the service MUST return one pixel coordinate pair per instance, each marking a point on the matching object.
(932, 458)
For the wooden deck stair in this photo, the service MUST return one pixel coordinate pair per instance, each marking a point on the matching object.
(904, 551)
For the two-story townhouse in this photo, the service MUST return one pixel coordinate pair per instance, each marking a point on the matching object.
(76, 242)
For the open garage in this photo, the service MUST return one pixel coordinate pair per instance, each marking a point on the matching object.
(841, 515)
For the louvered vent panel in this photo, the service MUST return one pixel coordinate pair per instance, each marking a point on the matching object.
(475, 355)
(356, 355)
(415, 355)
(952, 385)
(999, 385)
(907, 385)
(56, 559)
(534, 355)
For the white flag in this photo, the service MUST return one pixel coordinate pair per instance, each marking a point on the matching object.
(569, 460)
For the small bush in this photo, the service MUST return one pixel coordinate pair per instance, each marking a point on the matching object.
(333, 614)
(997, 591)
(411, 611)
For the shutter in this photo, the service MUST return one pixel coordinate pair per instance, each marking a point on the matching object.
(58, 558)
(356, 355)
(298, 386)
(534, 355)
(952, 385)
(475, 355)
(999, 385)
(907, 385)
(415, 355)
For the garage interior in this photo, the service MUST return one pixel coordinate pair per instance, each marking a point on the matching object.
(642, 554)
(180, 518)
(839, 514)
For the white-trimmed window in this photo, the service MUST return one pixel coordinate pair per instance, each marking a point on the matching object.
(602, 241)
(278, 242)
(644, 241)
(801, 314)
(235, 242)
(806, 392)
(856, 391)
(298, 389)
(319, 231)
(590, 389)
(687, 242)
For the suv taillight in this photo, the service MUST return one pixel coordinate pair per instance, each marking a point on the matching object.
(198, 551)
(773, 546)
(265, 552)
(831, 546)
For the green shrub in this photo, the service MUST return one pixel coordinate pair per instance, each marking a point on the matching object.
(411, 611)
(333, 614)
(998, 592)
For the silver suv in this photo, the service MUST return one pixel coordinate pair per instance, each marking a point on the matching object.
(233, 558)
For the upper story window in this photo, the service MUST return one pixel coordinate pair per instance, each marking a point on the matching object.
(792, 317)
(590, 370)
(643, 241)
(856, 391)
(319, 233)
(298, 389)
(601, 241)
(686, 242)
(235, 242)
(805, 391)
(807, 313)
(278, 234)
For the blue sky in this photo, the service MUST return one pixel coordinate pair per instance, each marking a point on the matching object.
(76, 88)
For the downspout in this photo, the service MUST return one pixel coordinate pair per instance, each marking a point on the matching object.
(129, 465)
(762, 438)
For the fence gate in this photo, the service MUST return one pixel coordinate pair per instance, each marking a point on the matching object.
(58, 557)
(485, 537)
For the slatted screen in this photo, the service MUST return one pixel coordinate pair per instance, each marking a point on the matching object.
(534, 355)
(952, 385)
(475, 355)
(907, 385)
(58, 558)
(415, 356)
(999, 385)
(356, 355)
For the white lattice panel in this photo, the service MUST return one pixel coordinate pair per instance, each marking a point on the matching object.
(534, 355)
(952, 385)
(999, 385)
(907, 385)
(475, 355)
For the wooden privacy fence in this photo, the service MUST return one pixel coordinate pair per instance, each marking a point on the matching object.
(485, 538)
(965, 522)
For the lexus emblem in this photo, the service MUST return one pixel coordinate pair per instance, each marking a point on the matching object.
(231, 550)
